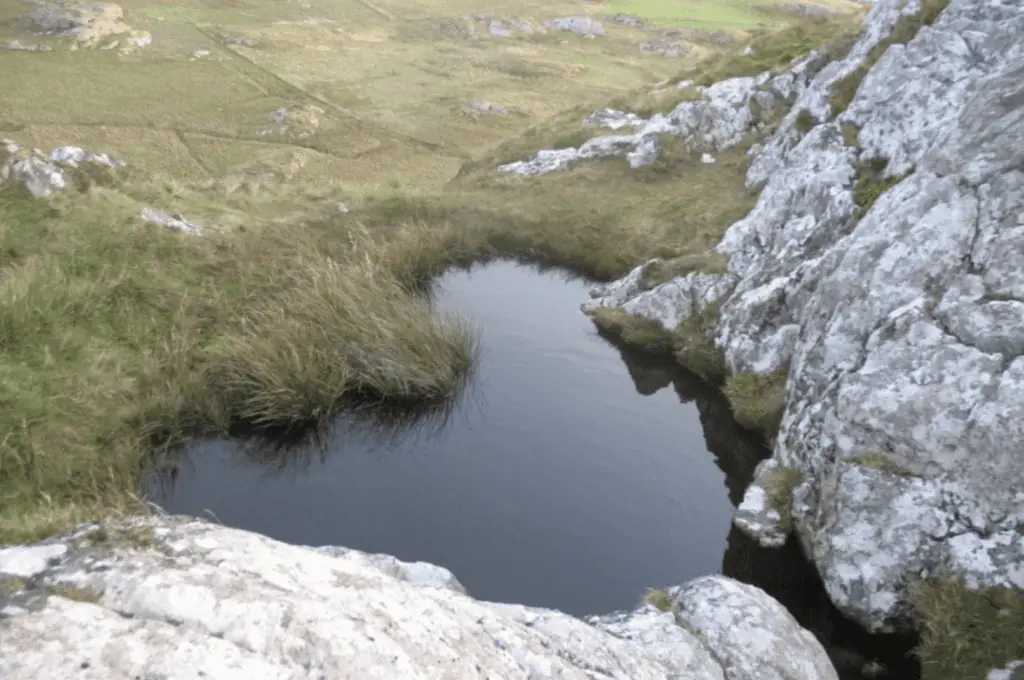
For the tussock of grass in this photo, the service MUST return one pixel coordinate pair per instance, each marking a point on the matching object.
(805, 122)
(757, 400)
(877, 461)
(964, 632)
(118, 336)
(851, 135)
(634, 331)
(659, 598)
(778, 486)
(845, 89)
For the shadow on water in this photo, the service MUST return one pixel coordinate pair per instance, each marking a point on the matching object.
(527, 496)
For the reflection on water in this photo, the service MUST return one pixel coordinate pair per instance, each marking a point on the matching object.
(567, 474)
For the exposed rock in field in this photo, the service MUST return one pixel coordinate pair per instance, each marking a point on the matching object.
(29, 47)
(884, 264)
(154, 597)
(724, 115)
(242, 40)
(176, 222)
(478, 107)
(582, 26)
(667, 48)
(629, 20)
(44, 174)
(87, 25)
(498, 29)
(489, 24)
(800, 8)
(300, 120)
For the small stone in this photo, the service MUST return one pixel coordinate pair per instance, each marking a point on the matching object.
(176, 222)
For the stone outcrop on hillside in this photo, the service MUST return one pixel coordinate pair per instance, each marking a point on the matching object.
(44, 175)
(182, 598)
(901, 321)
(93, 24)
(719, 118)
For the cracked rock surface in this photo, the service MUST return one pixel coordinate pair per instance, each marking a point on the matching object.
(903, 326)
(180, 598)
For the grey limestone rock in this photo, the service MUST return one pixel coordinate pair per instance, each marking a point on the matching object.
(902, 321)
(183, 598)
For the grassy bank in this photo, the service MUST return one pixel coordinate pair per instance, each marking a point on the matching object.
(119, 336)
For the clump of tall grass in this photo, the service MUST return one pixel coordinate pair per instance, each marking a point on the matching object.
(118, 338)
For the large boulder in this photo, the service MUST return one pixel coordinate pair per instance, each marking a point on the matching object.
(901, 320)
(183, 598)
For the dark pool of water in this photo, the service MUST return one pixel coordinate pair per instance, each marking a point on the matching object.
(570, 474)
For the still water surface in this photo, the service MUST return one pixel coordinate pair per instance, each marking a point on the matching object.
(569, 474)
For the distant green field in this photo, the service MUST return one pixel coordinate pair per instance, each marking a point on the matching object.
(706, 14)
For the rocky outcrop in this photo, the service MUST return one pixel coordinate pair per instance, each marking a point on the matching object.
(719, 117)
(95, 24)
(884, 265)
(586, 27)
(183, 598)
(44, 174)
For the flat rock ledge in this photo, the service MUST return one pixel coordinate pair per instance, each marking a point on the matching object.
(896, 302)
(179, 598)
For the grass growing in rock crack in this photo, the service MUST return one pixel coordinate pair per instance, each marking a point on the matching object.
(778, 487)
(878, 461)
(11, 585)
(965, 632)
(805, 121)
(76, 593)
(659, 599)
(845, 89)
(757, 400)
(870, 182)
